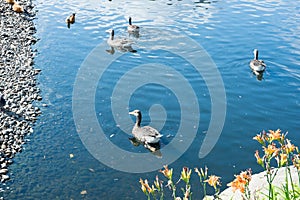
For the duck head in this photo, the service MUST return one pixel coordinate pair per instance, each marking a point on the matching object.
(111, 32)
(136, 113)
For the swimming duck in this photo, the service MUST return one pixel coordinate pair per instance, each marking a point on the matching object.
(17, 8)
(257, 65)
(71, 19)
(122, 44)
(131, 27)
(145, 134)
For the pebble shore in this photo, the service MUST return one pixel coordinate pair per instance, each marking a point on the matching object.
(18, 82)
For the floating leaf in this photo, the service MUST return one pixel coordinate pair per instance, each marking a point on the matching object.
(83, 192)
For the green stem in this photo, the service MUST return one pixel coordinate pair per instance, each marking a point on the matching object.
(173, 190)
(148, 195)
(162, 193)
(270, 186)
(290, 174)
(270, 179)
(286, 178)
(298, 176)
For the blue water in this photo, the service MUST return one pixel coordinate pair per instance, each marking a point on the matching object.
(228, 31)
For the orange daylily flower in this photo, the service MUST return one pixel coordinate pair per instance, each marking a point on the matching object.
(271, 150)
(167, 172)
(145, 186)
(259, 160)
(275, 135)
(213, 181)
(288, 147)
(282, 160)
(241, 181)
(201, 173)
(259, 138)
(186, 174)
(157, 183)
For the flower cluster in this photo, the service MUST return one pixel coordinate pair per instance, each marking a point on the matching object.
(241, 181)
(275, 145)
(155, 190)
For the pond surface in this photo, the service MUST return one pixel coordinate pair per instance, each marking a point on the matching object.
(55, 163)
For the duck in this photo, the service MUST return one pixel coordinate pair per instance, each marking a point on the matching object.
(71, 19)
(131, 27)
(145, 134)
(17, 8)
(257, 65)
(10, 2)
(121, 44)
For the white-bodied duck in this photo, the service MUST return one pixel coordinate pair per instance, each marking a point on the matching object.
(257, 65)
(121, 44)
(132, 28)
(145, 134)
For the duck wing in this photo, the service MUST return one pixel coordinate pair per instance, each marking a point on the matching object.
(120, 42)
(123, 44)
(151, 131)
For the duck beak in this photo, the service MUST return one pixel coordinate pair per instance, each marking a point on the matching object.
(131, 113)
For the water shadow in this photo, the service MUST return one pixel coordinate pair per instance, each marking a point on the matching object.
(154, 148)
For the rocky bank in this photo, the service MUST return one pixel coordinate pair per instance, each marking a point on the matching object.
(18, 82)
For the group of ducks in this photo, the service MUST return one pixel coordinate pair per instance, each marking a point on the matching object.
(148, 135)
(124, 44)
(145, 134)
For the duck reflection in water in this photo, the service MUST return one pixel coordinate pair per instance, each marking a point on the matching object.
(134, 34)
(154, 148)
(111, 50)
(259, 75)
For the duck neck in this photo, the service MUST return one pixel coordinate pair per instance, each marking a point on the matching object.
(112, 34)
(256, 55)
(138, 120)
(130, 21)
